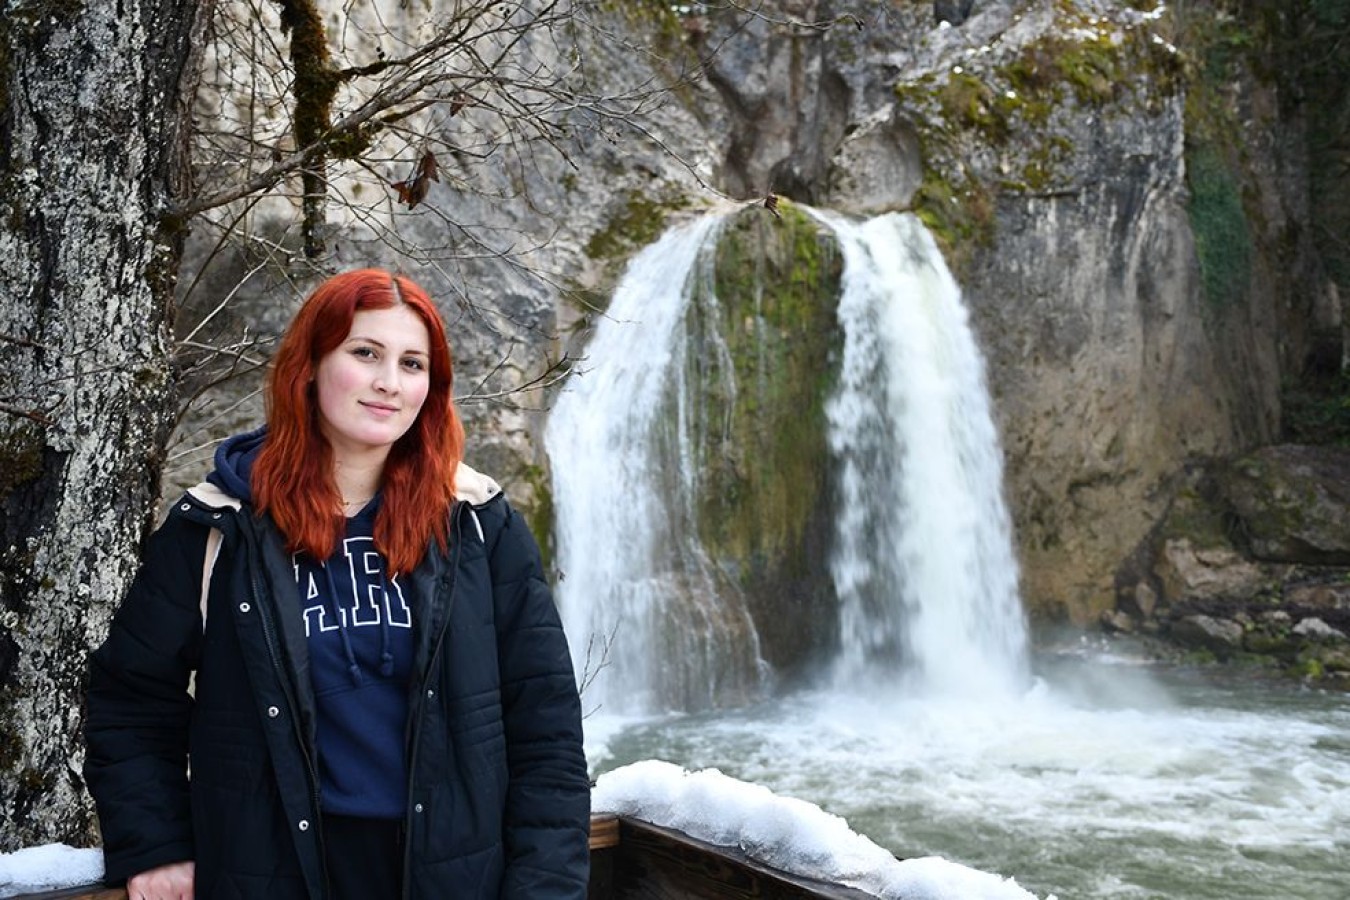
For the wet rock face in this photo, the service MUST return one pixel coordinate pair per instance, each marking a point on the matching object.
(1207, 573)
(1221, 636)
(1244, 566)
(1293, 503)
(1045, 146)
(1052, 151)
(760, 424)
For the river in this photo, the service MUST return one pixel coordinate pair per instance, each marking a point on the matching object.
(1109, 778)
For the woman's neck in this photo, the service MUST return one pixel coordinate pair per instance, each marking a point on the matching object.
(358, 479)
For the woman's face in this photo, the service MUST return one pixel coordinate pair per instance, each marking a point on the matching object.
(372, 386)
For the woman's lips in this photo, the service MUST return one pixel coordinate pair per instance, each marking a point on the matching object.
(380, 409)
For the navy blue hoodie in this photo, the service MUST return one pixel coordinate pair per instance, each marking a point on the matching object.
(359, 628)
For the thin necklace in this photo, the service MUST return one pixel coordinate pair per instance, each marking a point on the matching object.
(363, 501)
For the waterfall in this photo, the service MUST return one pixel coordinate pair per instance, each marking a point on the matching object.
(653, 625)
(923, 563)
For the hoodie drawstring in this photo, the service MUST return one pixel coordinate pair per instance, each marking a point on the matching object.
(386, 639)
(352, 668)
(386, 636)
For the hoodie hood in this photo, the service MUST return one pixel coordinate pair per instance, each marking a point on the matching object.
(234, 463)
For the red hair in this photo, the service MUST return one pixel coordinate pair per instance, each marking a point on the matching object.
(293, 476)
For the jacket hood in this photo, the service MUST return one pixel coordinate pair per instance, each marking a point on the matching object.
(473, 487)
(234, 463)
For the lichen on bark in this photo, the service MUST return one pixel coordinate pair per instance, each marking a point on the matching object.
(315, 86)
(88, 273)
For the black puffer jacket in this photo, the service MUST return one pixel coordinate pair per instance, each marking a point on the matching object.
(498, 791)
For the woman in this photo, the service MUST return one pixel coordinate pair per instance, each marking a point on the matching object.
(384, 704)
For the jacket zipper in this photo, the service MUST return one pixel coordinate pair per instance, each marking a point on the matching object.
(415, 732)
(274, 654)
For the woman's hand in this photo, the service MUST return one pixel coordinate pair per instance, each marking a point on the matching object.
(171, 882)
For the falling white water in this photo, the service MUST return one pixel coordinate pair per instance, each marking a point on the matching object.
(653, 627)
(923, 565)
(923, 562)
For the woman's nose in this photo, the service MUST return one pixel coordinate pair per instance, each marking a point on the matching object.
(386, 380)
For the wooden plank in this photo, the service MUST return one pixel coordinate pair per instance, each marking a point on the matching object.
(654, 863)
(84, 892)
(604, 831)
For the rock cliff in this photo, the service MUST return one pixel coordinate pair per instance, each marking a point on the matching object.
(1250, 563)
(1121, 188)
(1140, 276)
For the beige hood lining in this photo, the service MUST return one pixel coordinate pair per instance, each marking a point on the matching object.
(471, 486)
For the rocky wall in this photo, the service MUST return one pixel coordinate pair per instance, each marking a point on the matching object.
(765, 347)
(1251, 564)
(1138, 277)
(1120, 190)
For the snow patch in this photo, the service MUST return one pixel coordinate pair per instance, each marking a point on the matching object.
(786, 833)
(48, 867)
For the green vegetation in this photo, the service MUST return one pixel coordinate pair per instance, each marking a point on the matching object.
(1199, 657)
(1323, 61)
(1317, 411)
(964, 114)
(1220, 46)
(961, 218)
(1091, 68)
(540, 513)
(1310, 60)
(1196, 518)
(639, 222)
(969, 103)
(1309, 667)
(663, 21)
(351, 144)
(1223, 241)
(776, 286)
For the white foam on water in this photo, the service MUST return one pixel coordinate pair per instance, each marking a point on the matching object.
(1200, 795)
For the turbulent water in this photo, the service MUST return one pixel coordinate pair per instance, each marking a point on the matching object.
(1130, 783)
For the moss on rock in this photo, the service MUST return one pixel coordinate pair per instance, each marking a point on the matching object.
(540, 513)
(1223, 242)
(639, 221)
(764, 354)
(776, 286)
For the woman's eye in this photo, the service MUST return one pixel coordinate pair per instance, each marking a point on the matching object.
(414, 363)
(363, 352)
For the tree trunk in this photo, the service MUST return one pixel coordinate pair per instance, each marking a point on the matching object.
(94, 107)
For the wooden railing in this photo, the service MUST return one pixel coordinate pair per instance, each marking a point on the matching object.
(635, 860)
